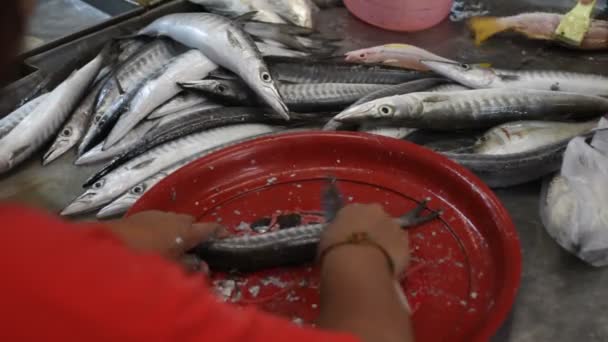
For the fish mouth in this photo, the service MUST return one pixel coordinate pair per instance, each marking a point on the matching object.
(82, 204)
(355, 113)
(273, 99)
(115, 208)
(52, 154)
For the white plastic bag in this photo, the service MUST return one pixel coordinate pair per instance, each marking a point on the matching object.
(574, 205)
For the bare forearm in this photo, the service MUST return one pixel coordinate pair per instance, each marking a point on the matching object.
(360, 296)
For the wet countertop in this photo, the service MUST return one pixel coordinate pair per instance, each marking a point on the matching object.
(561, 298)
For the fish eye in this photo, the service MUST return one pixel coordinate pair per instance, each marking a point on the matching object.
(220, 88)
(266, 77)
(67, 132)
(138, 190)
(386, 110)
(362, 55)
(465, 67)
(97, 185)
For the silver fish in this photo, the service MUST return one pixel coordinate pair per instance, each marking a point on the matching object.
(521, 136)
(35, 130)
(74, 129)
(297, 12)
(480, 77)
(445, 88)
(475, 108)
(400, 55)
(182, 101)
(274, 50)
(159, 89)
(155, 160)
(226, 44)
(10, 121)
(121, 86)
(387, 131)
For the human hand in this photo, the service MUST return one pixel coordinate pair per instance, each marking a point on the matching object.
(168, 234)
(373, 220)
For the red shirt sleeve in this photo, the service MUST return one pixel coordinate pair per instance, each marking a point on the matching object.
(70, 282)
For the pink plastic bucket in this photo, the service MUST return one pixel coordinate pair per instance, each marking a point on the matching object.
(400, 15)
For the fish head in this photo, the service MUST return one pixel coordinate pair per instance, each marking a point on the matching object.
(99, 194)
(264, 85)
(369, 55)
(66, 139)
(383, 109)
(470, 75)
(124, 202)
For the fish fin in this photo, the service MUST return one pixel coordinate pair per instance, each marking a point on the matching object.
(121, 90)
(19, 151)
(435, 98)
(143, 164)
(505, 77)
(485, 27)
(244, 17)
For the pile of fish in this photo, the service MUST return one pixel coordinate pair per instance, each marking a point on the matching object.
(189, 84)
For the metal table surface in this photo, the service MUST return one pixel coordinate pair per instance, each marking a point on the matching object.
(561, 298)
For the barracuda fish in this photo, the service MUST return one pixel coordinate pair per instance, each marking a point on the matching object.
(226, 44)
(399, 89)
(499, 171)
(480, 77)
(139, 133)
(114, 184)
(540, 26)
(10, 121)
(385, 131)
(302, 70)
(399, 55)
(180, 102)
(297, 97)
(122, 85)
(285, 247)
(445, 88)
(74, 129)
(475, 108)
(194, 122)
(159, 89)
(44, 121)
(297, 12)
(522, 136)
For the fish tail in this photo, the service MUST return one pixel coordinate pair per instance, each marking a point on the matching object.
(486, 27)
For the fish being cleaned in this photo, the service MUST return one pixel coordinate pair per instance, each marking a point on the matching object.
(297, 12)
(297, 97)
(521, 136)
(302, 70)
(10, 121)
(475, 108)
(122, 85)
(481, 77)
(159, 89)
(120, 180)
(180, 102)
(399, 55)
(226, 44)
(74, 129)
(44, 121)
(540, 26)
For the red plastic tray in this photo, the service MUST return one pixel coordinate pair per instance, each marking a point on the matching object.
(466, 267)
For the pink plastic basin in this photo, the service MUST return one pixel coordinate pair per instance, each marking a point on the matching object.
(400, 15)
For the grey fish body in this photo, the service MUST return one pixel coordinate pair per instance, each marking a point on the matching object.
(521, 136)
(10, 121)
(483, 77)
(120, 180)
(74, 129)
(35, 130)
(121, 87)
(226, 44)
(475, 108)
(177, 103)
(301, 70)
(507, 170)
(386, 131)
(159, 89)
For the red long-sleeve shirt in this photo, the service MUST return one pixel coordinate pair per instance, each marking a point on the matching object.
(69, 282)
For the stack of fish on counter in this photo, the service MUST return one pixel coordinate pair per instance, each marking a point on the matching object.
(192, 83)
